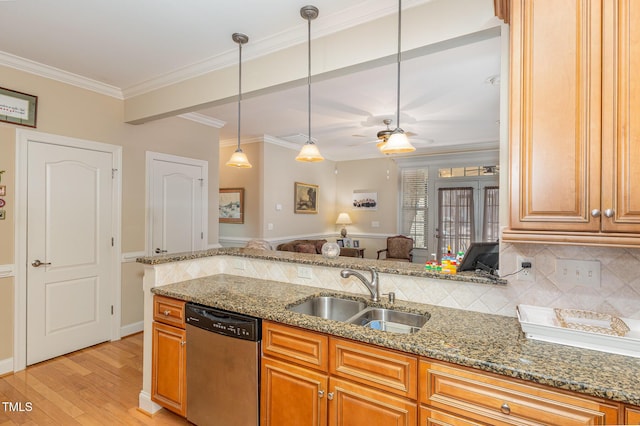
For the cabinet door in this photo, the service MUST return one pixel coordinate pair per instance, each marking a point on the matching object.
(291, 395)
(555, 116)
(632, 416)
(351, 404)
(621, 116)
(432, 417)
(168, 376)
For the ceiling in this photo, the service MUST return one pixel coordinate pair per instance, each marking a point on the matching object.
(449, 96)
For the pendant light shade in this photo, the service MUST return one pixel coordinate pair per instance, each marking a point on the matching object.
(309, 152)
(398, 143)
(239, 158)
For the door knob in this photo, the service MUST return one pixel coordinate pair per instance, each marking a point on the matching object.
(158, 251)
(36, 263)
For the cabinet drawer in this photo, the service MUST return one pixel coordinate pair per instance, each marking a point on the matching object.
(488, 398)
(432, 417)
(381, 368)
(632, 416)
(292, 344)
(169, 311)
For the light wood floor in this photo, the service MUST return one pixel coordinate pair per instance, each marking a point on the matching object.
(95, 386)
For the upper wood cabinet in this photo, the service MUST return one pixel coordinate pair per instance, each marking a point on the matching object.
(575, 122)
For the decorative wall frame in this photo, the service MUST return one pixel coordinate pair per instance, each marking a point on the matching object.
(365, 200)
(18, 108)
(305, 199)
(231, 205)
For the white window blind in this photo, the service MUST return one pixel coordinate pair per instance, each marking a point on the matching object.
(415, 205)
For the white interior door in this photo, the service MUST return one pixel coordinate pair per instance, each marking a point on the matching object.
(177, 203)
(69, 249)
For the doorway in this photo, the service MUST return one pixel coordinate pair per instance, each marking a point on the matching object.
(177, 204)
(67, 245)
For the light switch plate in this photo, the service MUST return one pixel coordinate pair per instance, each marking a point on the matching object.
(305, 272)
(578, 272)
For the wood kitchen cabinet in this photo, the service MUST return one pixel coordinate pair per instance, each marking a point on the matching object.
(575, 122)
(632, 416)
(310, 378)
(169, 355)
(454, 395)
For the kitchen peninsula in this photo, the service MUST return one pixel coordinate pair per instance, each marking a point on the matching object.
(248, 282)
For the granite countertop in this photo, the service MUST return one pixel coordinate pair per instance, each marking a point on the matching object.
(488, 342)
(389, 267)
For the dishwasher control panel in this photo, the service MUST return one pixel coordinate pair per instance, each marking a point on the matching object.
(223, 322)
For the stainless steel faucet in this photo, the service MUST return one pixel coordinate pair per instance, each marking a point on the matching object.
(373, 285)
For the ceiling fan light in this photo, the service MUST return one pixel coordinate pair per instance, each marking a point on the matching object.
(398, 143)
(309, 153)
(239, 159)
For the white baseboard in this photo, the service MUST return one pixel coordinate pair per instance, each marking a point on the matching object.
(8, 270)
(134, 328)
(6, 366)
(146, 404)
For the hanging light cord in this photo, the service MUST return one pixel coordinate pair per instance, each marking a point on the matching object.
(309, 72)
(239, 89)
(399, 58)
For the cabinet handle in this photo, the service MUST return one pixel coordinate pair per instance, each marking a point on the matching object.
(166, 313)
(182, 343)
(595, 213)
(608, 212)
(505, 408)
(320, 394)
(330, 396)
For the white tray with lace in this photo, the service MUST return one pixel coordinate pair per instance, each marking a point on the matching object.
(583, 329)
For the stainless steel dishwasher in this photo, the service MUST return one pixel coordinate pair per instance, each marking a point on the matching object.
(223, 367)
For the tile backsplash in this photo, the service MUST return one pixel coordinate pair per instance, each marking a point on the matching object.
(618, 293)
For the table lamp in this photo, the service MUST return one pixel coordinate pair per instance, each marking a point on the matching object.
(343, 219)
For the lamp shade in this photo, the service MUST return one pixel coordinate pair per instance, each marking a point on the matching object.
(239, 159)
(309, 153)
(343, 219)
(397, 143)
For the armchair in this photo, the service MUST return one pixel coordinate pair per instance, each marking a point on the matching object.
(398, 249)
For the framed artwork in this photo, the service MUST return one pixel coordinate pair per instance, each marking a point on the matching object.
(18, 108)
(305, 198)
(340, 242)
(356, 243)
(231, 205)
(348, 242)
(365, 200)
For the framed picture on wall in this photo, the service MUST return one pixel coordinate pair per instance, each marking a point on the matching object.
(365, 200)
(305, 198)
(340, 242)
(18, 108)
(231, 205)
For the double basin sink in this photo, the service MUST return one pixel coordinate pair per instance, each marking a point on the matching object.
(356, 312)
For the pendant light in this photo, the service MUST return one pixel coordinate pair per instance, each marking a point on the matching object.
(309, 151)
(239, 158)
(398, 142)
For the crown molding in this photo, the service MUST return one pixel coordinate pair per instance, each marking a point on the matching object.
(203, 119)
(46, 71)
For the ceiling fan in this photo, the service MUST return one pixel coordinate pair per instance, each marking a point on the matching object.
(383, 135)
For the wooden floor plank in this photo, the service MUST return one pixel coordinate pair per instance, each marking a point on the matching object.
(98, 385)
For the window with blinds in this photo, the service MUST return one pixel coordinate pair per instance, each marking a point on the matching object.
(415, 206)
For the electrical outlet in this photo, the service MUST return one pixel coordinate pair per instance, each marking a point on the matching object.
(304, 272)
(525, 274)
(578, 272)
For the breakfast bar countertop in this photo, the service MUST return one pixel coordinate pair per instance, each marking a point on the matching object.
(488, 342)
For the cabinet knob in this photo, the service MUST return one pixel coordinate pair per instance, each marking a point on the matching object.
(505, 408)
(182, 343)
(320, 394)
(595, 213)
(330, 396)
(609, 212)
(166, 313)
